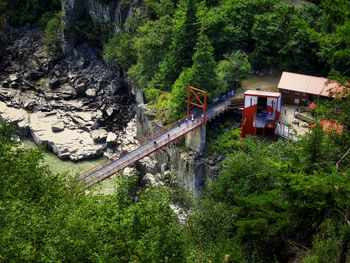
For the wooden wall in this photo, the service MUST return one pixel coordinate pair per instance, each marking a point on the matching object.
(294, 98)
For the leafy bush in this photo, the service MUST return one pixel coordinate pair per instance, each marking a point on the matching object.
(119, 50)
(45, 18)
(229, 142)
(232, 70)
(52, 37)
(29, 11)
(326, 243)
(160, 105)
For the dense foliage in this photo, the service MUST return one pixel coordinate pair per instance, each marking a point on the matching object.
(52, 37)
(272, 202)
(20, 12)
(213, 44)
(45, 217)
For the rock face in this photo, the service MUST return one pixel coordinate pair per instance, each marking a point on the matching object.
(112, 15)
(3, 46)
(65, 103)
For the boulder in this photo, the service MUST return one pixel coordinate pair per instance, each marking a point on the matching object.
(57, 126)
(112, 139)
(80, 88)
(99, 135)
(33, 75)
(54, 83)
(110, 111)
(67, 91)
(90, 93)
(113, 88)
(72, 143)
(13, 77)
(109, 152)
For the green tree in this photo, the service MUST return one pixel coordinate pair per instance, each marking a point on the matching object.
(151, 45)
(28, 11)
(184, 37)
(177, 106)
(201, 75)
(119, 50)
(232, 70)
(46, 217)
(157, 9)
(204, 66)
(270, 33)
(333, 38)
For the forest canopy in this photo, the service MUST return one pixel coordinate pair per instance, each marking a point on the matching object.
(271, 202)
(214, 44)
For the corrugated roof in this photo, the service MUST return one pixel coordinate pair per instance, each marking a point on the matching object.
(307, 84)
(262, 93)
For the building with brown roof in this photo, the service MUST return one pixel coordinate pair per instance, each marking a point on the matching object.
(299, 89)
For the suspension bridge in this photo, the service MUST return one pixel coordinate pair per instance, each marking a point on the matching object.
(192, 121)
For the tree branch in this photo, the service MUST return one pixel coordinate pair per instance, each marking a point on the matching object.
(337, 164)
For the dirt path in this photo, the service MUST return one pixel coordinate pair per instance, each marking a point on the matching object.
(254, 82)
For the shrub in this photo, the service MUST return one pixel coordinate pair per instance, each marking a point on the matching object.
(52, 33)
(229, 142)
(45, 18)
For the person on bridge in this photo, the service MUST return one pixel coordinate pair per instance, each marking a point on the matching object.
(192, 119)
(168, 136)
(155, 143)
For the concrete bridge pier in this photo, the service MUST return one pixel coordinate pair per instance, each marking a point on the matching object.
(196, 140)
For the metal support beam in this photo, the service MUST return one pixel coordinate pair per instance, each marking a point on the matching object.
(199, 100)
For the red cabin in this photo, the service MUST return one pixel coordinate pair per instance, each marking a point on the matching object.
(261, 112)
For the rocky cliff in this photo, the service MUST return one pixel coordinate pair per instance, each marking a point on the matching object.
(75, 105)
(112, 15)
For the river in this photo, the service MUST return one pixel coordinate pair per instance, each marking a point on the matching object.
(56, 165)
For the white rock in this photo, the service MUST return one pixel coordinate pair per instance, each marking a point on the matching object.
(180, 212)
(99, 135)
(75, 144)
(91, 93)
(110, 111)
(112, 139)
(13, 77)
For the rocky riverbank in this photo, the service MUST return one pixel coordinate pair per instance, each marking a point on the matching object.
(74, 104)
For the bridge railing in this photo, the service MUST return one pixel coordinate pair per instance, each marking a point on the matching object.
(285, 131)
(145, 152)
(129, 149)
(223, 101)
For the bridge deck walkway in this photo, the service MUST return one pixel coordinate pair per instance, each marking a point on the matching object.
(153, 143)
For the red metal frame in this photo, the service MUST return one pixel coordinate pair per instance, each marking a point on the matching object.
(197, 101)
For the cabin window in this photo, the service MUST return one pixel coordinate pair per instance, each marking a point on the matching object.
(273, 104)
(304, 94)
(286, 91)
(251, 101)
(297, 93)
(296, 101)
